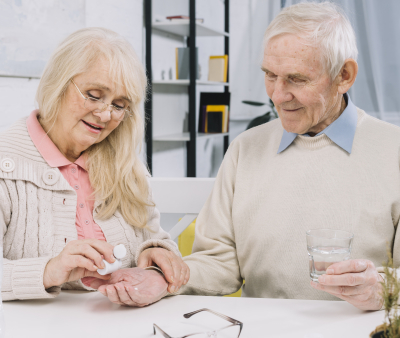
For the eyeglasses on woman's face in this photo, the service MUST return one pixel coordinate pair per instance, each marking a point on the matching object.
(96, 105)
(231, 331)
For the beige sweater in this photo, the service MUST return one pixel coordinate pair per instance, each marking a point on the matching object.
(39, 219)
(253, 225)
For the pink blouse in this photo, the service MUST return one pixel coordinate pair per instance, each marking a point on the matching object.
(76, 175)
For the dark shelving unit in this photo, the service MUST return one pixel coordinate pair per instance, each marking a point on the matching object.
(190, 30)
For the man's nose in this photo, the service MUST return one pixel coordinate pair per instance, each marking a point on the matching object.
(281, 93)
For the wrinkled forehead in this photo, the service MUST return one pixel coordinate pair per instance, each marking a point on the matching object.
(107, 74)
(292, 54)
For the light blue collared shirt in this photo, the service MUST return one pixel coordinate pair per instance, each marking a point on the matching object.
(341, 131)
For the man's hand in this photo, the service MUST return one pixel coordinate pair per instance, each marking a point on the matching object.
(132, 287)
(175, 270)
(355, 281)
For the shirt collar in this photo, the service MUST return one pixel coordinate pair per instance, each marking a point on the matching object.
(45, 145)
(341, 131)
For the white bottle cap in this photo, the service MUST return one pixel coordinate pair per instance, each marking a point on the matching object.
(119, 251)
(110, 267)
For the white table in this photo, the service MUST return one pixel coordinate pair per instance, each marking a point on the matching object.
(89, 314)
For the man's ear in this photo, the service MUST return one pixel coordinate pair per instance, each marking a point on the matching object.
(347, 76)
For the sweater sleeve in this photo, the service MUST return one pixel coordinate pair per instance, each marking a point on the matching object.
(21, 278)
(214, 267)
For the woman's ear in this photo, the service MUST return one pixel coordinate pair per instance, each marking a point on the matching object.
(347, 76)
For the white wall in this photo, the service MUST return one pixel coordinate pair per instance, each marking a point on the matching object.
(30, 30)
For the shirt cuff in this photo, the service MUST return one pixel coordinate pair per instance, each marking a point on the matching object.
(156, 268)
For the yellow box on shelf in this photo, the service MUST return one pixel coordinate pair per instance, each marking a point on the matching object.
(219, 121)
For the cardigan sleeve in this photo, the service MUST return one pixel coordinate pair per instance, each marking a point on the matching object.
(21, 278)
(214, 267)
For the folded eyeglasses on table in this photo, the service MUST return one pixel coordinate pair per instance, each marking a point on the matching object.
(231, 331)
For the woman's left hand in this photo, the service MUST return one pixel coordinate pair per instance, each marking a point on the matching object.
(175, 270)
(131, 287)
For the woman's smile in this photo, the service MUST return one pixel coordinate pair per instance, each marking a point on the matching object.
(92, 127)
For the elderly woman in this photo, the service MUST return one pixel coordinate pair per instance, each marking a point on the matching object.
(72, 185)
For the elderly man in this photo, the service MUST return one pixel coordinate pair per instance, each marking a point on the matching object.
(323, 164)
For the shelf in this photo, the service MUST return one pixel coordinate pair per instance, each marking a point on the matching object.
(185, 137)
(241, 118)
(187, 82)
(182, 28)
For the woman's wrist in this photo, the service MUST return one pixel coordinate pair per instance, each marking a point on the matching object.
(47, 281)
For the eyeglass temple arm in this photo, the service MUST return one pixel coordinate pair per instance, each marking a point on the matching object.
(166, 335)
(78, 89)
(229, 319)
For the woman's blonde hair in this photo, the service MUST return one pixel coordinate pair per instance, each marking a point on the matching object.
(116, 173)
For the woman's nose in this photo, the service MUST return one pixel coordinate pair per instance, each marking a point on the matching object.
(104, 115)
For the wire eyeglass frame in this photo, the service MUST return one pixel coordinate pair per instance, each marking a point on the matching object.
(116, 113)
(188, 315)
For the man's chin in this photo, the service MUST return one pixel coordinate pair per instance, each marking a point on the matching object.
(294, 128)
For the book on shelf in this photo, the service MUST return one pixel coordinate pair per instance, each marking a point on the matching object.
(214, 112)
(183, 19)
(183, 63)
(216, 119)
(218, 68)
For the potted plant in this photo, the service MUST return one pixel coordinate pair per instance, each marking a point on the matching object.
(268, 116)
(390, 293)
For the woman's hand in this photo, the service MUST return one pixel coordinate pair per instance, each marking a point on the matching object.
(355, 281)
(132, 287)
(79, 258)
(175, 270)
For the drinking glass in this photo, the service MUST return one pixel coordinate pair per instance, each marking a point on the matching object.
(325, 247)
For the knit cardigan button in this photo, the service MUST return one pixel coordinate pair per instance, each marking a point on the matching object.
(50, 177)
(7, 165)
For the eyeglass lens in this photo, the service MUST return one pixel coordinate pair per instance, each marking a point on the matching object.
(93, 105)
(227, 332)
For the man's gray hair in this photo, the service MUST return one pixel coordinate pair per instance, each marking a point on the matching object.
(322, 24)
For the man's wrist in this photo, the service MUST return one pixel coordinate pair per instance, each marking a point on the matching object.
(155, 268)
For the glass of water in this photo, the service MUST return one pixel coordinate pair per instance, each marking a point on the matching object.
(325, 247)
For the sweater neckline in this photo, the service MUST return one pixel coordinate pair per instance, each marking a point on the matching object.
(313, 143)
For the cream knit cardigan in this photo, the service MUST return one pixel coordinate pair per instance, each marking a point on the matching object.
(39, 219)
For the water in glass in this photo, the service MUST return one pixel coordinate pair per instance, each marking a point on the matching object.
(325, 247)
(321, 257)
